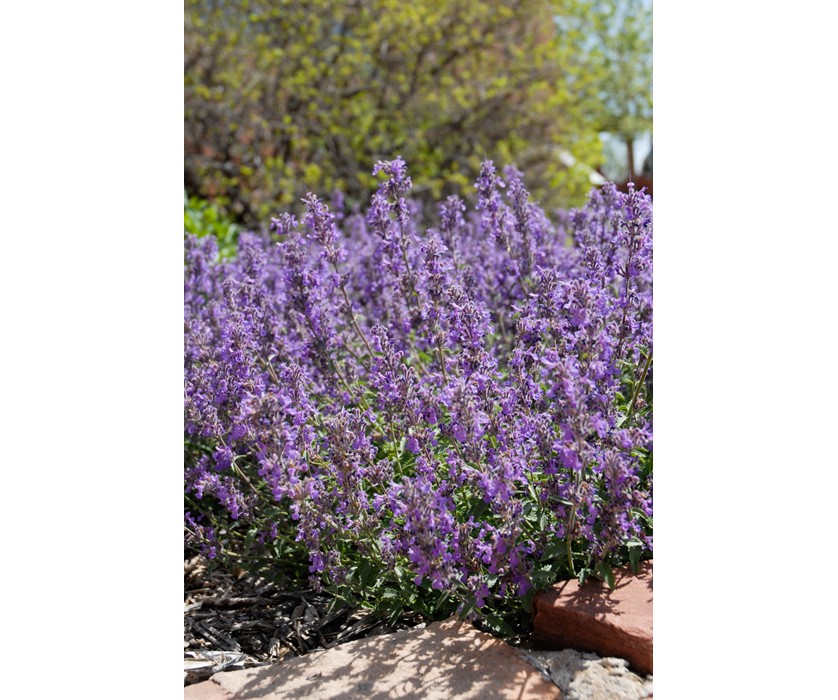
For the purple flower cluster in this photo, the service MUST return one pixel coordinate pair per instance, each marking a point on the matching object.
(454, 400)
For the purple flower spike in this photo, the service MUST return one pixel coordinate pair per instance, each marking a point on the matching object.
(462, 402)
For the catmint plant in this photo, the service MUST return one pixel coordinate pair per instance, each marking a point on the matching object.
(438, 415)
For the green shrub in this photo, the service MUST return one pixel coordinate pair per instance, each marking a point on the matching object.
(200, 218)
(306, 95)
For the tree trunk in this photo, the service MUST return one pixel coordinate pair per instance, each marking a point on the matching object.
(630, 158)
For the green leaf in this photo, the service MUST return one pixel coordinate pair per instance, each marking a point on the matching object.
(607, 574)
(365, 573)
(526, 601)
(497, 625)
(555, 550)
(635, 549)
(468, 609)
(394, 615)
(440, 601)
(542, 578)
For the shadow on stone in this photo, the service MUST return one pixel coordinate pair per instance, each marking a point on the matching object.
(448, 659)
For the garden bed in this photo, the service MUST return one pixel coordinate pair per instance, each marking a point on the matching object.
(241, 621)
(416, 420)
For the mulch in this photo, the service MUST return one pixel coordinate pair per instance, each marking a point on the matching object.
(233, 621)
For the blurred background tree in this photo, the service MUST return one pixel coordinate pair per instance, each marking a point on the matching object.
(287, 96)
(616, 39)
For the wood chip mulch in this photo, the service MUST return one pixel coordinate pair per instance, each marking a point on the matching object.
(240, 621)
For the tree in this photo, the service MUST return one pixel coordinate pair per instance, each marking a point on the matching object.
(285, 97)
(616, 41)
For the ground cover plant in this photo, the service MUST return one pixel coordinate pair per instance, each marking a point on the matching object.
(429, 411)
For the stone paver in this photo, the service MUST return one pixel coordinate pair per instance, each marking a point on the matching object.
(206, 691)
(448, 660)
(583, 675)
(593, 618)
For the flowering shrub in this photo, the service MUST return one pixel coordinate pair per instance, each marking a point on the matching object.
(441, 418)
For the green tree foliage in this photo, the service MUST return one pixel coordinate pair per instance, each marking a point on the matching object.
(287, 96)
(616, 39)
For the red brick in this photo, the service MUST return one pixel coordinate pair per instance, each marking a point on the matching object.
(594, 618)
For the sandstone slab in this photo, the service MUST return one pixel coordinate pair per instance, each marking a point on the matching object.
(585, 676)
(207, 690)
(448, 660)
(592, 618)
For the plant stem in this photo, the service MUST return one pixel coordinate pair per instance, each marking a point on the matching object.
(639, 385)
